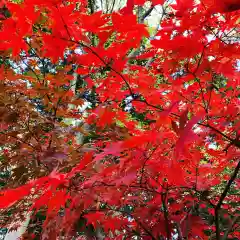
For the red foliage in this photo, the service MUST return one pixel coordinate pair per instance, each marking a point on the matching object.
(176, 169)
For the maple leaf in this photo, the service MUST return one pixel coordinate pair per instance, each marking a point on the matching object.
(9, 197)
(42, 200)
(182, 6)
(164, 116)
(127, 179)
(186, 135)
(114, 223)
(129, 8)
(94, 218)
(87, 158)
(113, 149)
(56, 201)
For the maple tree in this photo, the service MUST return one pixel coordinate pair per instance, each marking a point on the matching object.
(155, 155)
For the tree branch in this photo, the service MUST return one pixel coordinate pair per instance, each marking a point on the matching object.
(146, 14)
(165, 213)
(235, 219)
(222, 197)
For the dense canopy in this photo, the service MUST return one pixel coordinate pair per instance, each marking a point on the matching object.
(114, 129)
